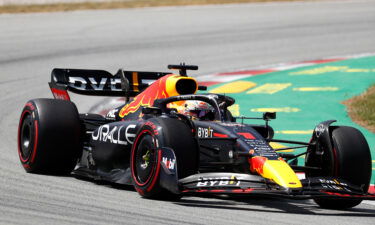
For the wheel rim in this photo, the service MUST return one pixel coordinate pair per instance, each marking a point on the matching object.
(145, 159)
(27, 137)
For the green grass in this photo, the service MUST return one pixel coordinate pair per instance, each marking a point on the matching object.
(362, 108)
(117, 4)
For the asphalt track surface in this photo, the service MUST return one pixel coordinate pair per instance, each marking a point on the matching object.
(218, 38)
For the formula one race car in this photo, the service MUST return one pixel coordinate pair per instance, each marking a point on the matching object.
(167, 141)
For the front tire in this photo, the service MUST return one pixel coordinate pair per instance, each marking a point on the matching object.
(350, 159)
(146, 158)
(49, 134)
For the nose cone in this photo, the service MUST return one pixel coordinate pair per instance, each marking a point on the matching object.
(276, 170)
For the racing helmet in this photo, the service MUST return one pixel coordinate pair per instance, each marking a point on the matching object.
(198, 110)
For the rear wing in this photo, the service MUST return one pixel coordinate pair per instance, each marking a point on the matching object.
(100, 82)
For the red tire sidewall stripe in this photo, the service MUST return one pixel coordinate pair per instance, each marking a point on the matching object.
(36, 131)
(35, 141)
(23, 160)
(157, 173)
(133, 158)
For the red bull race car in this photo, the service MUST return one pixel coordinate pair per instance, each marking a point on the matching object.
(169, 139)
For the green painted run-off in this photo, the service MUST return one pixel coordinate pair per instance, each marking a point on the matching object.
(301, 111)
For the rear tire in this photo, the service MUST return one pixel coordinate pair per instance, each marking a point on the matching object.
(145, 159)
(350, 159)
(49, 134)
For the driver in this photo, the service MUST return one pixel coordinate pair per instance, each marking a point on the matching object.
(195, 109)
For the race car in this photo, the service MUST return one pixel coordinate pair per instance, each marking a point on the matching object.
(169, 139)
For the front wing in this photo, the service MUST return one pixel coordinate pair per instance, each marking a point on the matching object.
(238, 183)
(234, 183)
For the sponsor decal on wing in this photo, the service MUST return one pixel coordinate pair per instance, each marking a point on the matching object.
(219, 181)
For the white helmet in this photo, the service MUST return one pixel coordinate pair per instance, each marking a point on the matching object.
(198, 110)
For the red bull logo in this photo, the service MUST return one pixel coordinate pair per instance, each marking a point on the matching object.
(257, 163)
(276, 170)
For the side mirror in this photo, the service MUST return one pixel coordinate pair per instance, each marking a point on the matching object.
(202, 88)
(269, 116)
(151, 110)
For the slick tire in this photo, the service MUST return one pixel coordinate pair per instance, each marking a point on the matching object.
(145, 159)
(349, 160)
(49, 134)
